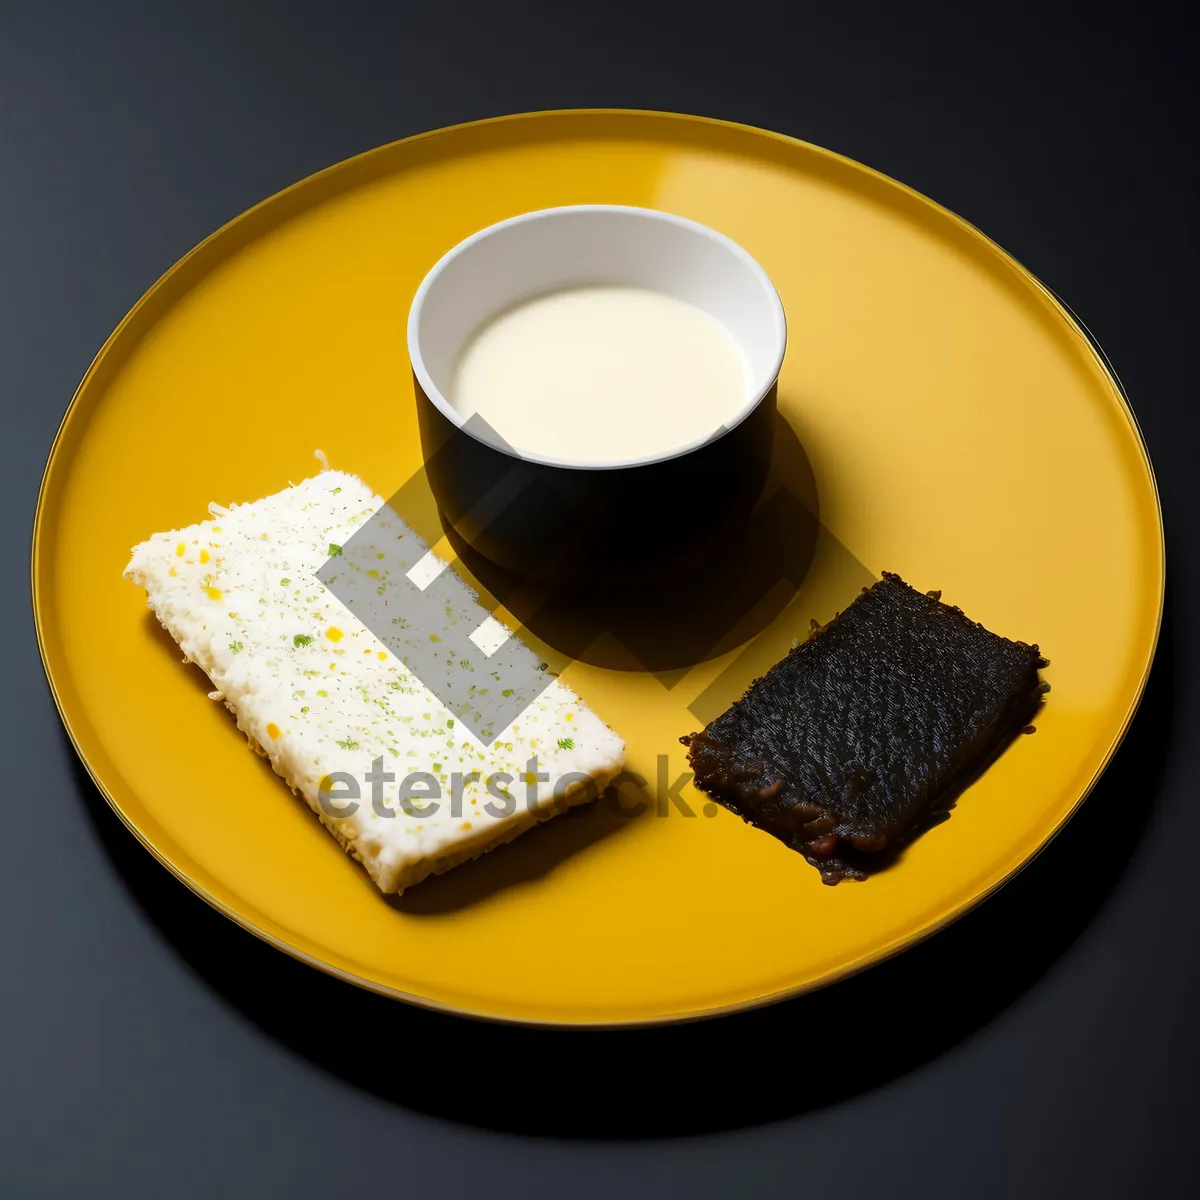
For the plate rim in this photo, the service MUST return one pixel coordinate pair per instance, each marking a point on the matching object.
(862, 962)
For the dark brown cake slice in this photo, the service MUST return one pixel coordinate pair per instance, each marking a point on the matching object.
(864, 735)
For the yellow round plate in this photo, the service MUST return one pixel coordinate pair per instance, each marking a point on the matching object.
(961, 429)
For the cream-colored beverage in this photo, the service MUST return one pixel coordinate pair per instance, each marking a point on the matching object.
(601, 373)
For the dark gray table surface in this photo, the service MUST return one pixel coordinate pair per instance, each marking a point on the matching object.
(1044, 1046)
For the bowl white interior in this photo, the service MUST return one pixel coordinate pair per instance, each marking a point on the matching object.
(553, 248)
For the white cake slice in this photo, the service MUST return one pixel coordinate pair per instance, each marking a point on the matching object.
(324, 699)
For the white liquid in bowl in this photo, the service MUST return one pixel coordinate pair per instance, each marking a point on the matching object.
(601, 373)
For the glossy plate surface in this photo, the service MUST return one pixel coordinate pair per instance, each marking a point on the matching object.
(961, 431)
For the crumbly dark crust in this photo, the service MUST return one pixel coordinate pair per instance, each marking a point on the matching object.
(864, 735)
